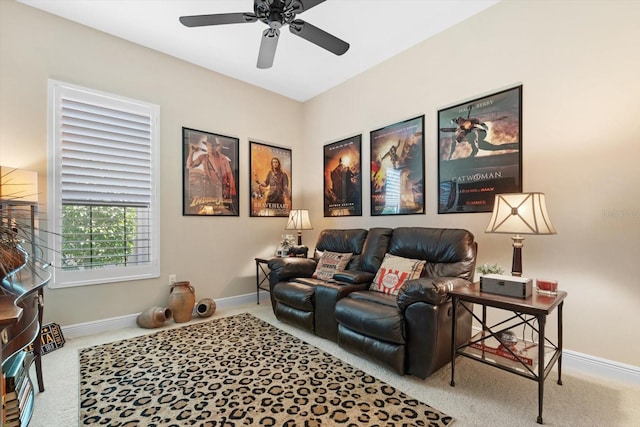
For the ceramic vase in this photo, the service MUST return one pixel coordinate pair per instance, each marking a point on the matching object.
(182, 299)
(153, 317)
(205, 307)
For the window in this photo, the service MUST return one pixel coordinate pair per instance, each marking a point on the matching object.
(103, 187)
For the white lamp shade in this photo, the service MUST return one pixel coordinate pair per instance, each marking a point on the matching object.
(520, 213)
(299, 220)
(18, 185)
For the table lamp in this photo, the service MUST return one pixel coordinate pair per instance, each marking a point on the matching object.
(18, 201)
(519, 213)
(299, 220)
(18, 185)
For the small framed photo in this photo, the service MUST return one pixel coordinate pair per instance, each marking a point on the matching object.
(210, 174)
(343, 177)
(479, 151)
(270, 180)
(397, 168)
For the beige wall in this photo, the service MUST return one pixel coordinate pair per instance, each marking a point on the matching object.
(581, 102)
(579, 69)
(215, 254)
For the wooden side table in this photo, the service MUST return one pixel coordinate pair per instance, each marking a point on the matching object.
(262, 276)
(484, 347)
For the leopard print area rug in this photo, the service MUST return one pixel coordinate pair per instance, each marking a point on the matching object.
(235, 371)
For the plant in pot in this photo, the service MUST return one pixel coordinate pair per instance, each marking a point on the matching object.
(286, 242)
(489, 269)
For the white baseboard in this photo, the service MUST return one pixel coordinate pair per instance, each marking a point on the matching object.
(596, 366)
(129, 320)
(571, 360)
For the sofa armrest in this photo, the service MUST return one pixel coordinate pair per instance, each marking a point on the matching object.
(432, 290)
(286, 268)
(354, 277)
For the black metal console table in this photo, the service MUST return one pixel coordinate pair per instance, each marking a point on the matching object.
(262, 276)
(486, 348)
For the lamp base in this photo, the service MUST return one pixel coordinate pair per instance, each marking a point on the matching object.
(516, 264)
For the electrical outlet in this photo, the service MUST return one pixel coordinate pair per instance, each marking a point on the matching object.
(172, 279)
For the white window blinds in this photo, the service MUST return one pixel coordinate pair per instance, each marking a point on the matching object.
(106, 155)
(104, 186)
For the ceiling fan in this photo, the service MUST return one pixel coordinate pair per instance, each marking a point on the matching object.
(274, 13)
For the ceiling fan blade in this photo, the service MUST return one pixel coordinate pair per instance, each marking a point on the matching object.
(217, 19)
(268, 47)
(318, 37)
(302, 5)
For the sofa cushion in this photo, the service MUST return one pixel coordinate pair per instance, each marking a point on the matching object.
(296, 295)
(449, 252)
(372, 314)
(309, 281)
(355, 277)
(342, 241)
(330, 263)
(377, 297)
(374, 249)
(394, 271)
(391, 355)
(432, 290)
(287, 268)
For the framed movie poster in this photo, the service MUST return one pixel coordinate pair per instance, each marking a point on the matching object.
(397, 168)
(210, 174)
(270, 169)
(479, 151)
(343, 177)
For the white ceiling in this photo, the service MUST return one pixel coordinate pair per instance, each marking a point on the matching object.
(375, 29)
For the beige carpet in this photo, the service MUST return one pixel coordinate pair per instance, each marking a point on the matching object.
(483, 396)
(236, 370)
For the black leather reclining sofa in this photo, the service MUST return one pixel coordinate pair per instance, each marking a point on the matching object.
(410, 332)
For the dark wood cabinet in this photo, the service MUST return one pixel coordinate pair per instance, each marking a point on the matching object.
(21, 309)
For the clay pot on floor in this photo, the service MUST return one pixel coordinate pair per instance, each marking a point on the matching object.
(153, 317)
(182, 299)
(205, 307)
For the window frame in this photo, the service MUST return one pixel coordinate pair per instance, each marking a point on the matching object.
(71, 278)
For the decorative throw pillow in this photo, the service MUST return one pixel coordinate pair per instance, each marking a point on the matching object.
(330, 263)
(394, 271)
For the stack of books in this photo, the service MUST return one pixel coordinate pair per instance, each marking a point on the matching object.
(526, 351)
(18, 392)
